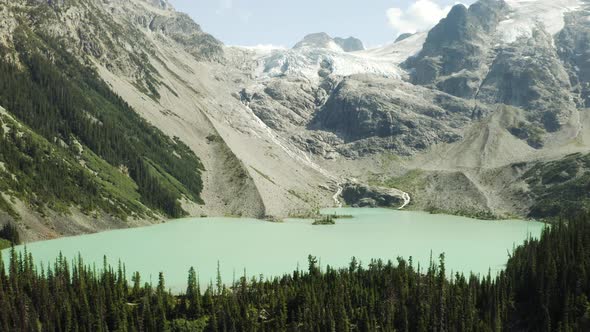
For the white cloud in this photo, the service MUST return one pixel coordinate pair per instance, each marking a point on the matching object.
(419, 16)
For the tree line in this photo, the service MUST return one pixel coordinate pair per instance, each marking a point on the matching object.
(10, 232)
(65, 102)
(544, 287)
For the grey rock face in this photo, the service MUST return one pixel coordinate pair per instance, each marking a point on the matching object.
(350, 44)
(530, 75)
(186, 32)
(164, 4)
(463, 57)
(53, 3)
(283, 103)
(457, 48)
(360, 195)
(573, 47)
(323, 40)
(462, 73)
(373, 114)
(403, 36)
(316, 40)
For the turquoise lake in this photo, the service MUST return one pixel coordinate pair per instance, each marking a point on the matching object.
(271, 249)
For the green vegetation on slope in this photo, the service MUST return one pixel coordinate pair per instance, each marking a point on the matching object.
(412, 181)
(4, 244)
(66, 102)
(529, 132)
(545, 287)
(560, 187)
(8, 236)
(48, 176)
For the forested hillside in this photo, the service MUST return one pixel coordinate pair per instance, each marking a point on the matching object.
(68, 140)
(544, 288)
(560, 187)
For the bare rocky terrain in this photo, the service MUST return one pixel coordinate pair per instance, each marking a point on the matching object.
(454, 117)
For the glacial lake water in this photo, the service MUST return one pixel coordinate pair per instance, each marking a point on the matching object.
(271, 249)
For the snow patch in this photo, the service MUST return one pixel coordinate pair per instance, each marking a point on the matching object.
(397, 52)
(527, 15)
(306, 61)
(262, 47)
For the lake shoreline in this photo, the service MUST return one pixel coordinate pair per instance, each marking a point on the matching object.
(271, 249)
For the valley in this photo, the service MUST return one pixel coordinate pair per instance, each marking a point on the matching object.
(437, 182)
(277, 132)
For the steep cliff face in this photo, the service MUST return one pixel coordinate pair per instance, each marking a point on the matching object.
(498, 52)
(530, 75)
(350, 44)
(276, 132)
(493, 84)
(163, 67)
(573, 47)
(457, 51)
(372, 114)
(182, 29)
(74, 146)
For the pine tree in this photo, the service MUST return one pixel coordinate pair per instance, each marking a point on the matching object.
(193, 295)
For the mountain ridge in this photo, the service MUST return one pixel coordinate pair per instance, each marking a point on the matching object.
(443, 115)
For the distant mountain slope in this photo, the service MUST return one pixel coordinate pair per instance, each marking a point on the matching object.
(100, 139)
(145, 115)
(350, 44)
(495, 84)
(71, 143)
(150, 99)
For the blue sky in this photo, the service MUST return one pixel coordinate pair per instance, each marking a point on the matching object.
(283, 23)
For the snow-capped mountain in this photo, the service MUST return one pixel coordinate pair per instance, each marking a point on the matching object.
(398, 51)
(318, 55)
(460, 116)
(525, 16)
(495, 83)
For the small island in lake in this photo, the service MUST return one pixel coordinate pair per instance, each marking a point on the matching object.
(330, 219)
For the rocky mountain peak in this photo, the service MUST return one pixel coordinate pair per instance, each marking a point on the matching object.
(163, 4)
(322, 40)
(403, 36)
(350, 44)
(458, 48)
(318, 40)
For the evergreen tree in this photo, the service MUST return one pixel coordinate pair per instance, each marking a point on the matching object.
(193, 296)
(544, 287)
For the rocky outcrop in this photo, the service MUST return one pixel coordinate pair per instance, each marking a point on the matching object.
(468, 55)
(456, 50)
(164, 4)
(530, 75)
(360, 195)
(284, 103)
(350, 44)
(317, 40)
(403, 36)
(376, 114)
(182, 29)
(323, 40)
(573, 47)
